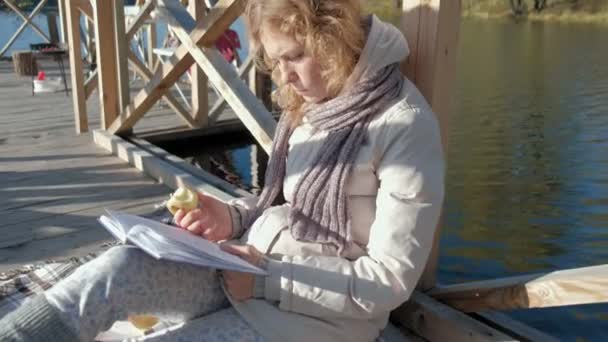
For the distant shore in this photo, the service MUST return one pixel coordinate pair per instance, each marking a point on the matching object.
(583, 11)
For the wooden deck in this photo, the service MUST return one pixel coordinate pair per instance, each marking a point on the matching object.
(55, 183)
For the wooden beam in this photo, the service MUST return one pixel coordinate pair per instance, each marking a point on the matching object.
(588, 285)
(438, 322)
(28, 19)
(247, 107)
(152, 37)
(146, 74)
(62, 21)
(51, 20)
(512, 327)
(216, 22)
(141, 18)
(160, 170)
(14, 37)
(106, 61)
(76, 74)
(86, 9)
(432, 28)
(122, 45)
(220, 104)
(91, 84)
(199, 88)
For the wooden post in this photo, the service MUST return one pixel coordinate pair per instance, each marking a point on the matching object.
(205, 34)
(51, 19)
(151, 30)
(89, 41)
(62, 21)
(106, 60)
(200, 90)
(122, 68)
(431, 28)
(72, 20)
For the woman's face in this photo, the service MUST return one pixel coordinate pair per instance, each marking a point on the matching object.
(297, 68)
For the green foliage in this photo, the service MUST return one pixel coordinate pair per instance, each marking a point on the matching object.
(384, 9)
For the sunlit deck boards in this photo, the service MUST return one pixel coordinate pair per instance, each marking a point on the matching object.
(54, 183)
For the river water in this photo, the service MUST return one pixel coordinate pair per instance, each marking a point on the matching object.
(527, 185)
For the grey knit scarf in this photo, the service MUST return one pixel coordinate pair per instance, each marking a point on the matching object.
(318, 211)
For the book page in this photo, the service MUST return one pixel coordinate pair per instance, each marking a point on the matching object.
(163, 248)
(175, 241)
(113, 228)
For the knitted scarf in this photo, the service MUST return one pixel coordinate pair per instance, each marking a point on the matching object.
(319, 211)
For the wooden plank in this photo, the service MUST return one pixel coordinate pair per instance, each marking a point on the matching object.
(577, 286)
(220, 104)
(25, 23)
(91, 84)
(51, 20)
(63, 33)
(160, 170)
(86, 9)
(152, 37)
(187, 167)
(432, 28)
(76, 74)
(117, 189)
(438, 322)
(122, 68)
(146, 74)
(209, 29)
(141, 18)
(512, 327)
(86, 236)
(199, 87)
(106, 61)
(248, 108)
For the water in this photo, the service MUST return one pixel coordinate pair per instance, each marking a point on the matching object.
(527, 186)
(10, 22)
(527, 183)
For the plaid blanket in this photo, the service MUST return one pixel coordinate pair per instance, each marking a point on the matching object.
(17, 286)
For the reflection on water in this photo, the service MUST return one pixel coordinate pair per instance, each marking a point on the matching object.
(527, 176)
(527, 186)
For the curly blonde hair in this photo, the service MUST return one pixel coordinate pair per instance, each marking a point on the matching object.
(330, 30)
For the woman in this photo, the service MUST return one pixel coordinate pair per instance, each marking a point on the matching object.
(358, 158)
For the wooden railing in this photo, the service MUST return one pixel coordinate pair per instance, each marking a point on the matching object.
(28, 21)
(119, 113)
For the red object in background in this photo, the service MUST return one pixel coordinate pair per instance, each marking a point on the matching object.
(227, 44)
(41, 76)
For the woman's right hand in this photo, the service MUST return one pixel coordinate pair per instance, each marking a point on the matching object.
(211, 220)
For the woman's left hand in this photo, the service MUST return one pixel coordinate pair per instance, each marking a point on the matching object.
(240, 285)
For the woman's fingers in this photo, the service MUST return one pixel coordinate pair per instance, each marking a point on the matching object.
(191, 217)
(177, 218)
(195, 228)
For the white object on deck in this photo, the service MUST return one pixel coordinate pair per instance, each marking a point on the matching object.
(49, 85)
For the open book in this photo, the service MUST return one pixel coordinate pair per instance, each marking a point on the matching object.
(167, 242)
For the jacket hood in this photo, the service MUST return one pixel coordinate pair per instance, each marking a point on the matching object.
(385, 45)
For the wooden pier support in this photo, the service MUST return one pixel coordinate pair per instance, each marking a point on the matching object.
(431, 28)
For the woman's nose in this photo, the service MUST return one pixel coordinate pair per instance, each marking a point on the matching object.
(288, 75)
